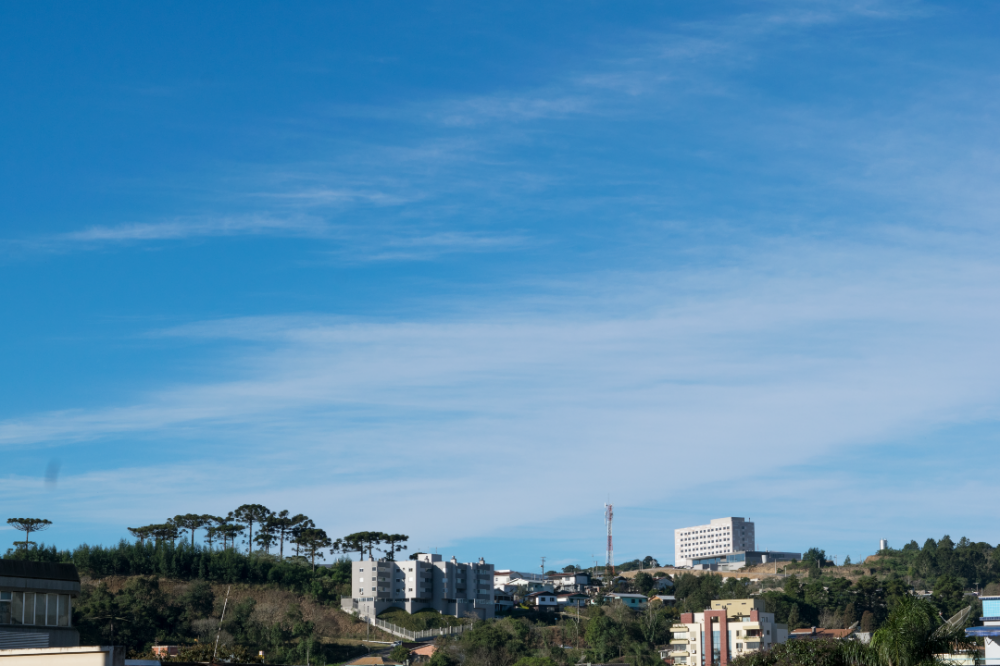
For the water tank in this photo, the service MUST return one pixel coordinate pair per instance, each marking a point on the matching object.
(883, 544)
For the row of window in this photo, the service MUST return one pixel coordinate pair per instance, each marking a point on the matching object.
(51, 610)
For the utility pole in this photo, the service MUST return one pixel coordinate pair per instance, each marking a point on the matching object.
(543, 567)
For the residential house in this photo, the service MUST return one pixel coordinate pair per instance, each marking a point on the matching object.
(577, 599)
(816, 633)
(632, 600)
(665, 599)
(663, 584)
(542, 601)
(574, 581)
(503, 601)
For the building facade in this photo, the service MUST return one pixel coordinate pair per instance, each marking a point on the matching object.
(733, 627)
(990, 631)
(721, 536)
(448, 587)
(36, 605)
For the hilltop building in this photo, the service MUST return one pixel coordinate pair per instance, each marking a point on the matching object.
(720, 537)
(450, 588)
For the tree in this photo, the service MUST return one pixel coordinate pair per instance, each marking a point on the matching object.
(867, 622)
(400, 653)
(313, 541)
(191, 522)
(266, 537)
(395, 544)
(140, 533)
(283, 525)
(847, 561)
(248, 514)
(353, 544)
(793, 617)
(297, 530)
(816, 555)
(643, 582)
(364, 542)
(29, 525)
(570, 568)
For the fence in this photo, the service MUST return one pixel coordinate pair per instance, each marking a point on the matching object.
(416, 636)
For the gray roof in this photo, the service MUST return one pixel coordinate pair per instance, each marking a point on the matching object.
(43, 570)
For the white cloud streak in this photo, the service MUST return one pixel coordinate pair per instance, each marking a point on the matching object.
(789, 363)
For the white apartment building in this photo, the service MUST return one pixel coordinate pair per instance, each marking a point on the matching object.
(450, 588)
(719, 537)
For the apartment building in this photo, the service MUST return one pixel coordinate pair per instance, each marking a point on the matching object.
(732, 627)
(450, 588)
(721, 536)
(36, 605)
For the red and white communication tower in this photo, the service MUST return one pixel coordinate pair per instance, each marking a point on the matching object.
(609, 514)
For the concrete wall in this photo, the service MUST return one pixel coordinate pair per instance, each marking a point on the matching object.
(73, 656)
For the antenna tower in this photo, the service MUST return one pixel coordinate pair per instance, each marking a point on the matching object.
(609, 514)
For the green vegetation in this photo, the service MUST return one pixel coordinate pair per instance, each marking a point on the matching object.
(910, 636)
(419, 621)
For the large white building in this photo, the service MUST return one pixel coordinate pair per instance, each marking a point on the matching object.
(450, 588)
(720, 537)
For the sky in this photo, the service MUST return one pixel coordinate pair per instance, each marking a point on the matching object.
(469, 271)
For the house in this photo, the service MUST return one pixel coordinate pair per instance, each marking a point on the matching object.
(577, 599)
(528, 585)
(166, 650)
(631, 599)
(815, 633)
(36, 604)
(665, 599)
(573, 581)
(503, 601)
(663, 584)
(422, 653)
(542, 601)
(733, 627)
(503, 577)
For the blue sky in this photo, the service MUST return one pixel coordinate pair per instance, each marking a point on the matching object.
(466, 272)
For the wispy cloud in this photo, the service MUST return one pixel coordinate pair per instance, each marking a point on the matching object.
(839, 348)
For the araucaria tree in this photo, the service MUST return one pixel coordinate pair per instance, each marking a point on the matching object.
(29, 525)
(191, 522)
(395, 543)
(313, 541)
(248, 514)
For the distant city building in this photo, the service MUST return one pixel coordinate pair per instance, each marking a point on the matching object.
(450, 588)
(36, 604)
(733, 627)
(720, 537)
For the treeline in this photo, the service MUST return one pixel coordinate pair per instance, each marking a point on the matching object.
(182, 561)
(971, 564)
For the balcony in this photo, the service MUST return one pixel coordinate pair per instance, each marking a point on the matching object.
(678, 641)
